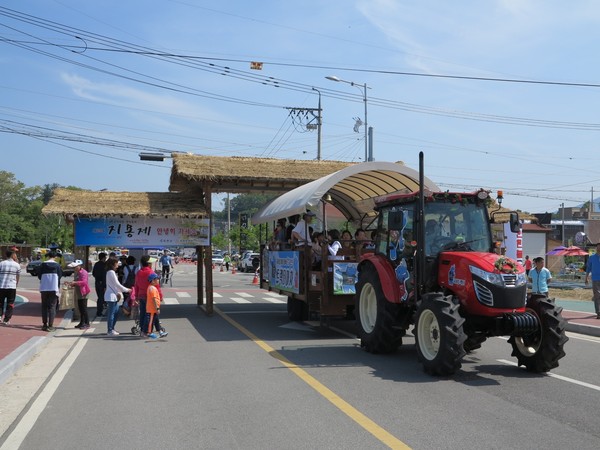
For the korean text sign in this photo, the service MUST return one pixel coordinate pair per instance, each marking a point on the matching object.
(141, 232)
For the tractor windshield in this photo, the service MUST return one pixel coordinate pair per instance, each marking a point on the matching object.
(461, 226)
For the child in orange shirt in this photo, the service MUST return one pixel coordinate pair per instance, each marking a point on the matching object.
(153, 307)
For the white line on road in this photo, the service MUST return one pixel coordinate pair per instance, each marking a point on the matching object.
(240, 300)
(215, 295)
(182, 294)
(560, 377)
(275, 294)
(170, 301)
(16, 438)
(244, 294)
(273, 300)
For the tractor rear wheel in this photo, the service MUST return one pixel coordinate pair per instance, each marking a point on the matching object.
(439, 335)
(540, 351)
(375, 317)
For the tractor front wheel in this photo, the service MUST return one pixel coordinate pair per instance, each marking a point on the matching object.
(439, 335)
(540, 351)
(375, 317)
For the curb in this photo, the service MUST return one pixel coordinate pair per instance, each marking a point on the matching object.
(588, 330)
(23, 354)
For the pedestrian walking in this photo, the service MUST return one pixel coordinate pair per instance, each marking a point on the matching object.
(227, 261)
(593, 269)
(99, 274)
(528, 265)
(50, 275)
(153, 298)
(539, 276)
(82, 289)
(166, 265)
(10, 272)
(112, 295)
(141, 288)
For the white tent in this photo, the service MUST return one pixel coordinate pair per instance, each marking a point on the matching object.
(351, 190)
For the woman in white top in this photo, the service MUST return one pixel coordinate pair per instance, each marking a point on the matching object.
(334, 244)
(112, 294)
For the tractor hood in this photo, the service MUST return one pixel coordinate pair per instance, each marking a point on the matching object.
(490, 262)
(496, 282)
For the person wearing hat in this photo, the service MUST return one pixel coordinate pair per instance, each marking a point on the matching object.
(82, 289)
(539, 277)
(10, 271)
(153, 307)
(49, 275)
(300, 233)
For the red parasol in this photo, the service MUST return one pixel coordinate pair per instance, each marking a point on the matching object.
(567, 251)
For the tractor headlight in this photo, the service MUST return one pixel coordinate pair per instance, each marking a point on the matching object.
(521, 279)
(493, 278)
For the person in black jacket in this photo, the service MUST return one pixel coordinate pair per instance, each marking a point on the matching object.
(50, 275)
(99, 274)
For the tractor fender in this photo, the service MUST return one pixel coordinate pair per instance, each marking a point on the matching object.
(387, 276)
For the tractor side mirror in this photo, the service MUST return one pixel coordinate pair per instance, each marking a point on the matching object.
(395, 220)
(514, 222)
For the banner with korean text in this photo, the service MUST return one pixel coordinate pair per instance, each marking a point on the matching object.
(141, 232)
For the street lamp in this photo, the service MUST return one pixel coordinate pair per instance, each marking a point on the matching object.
(363, 87)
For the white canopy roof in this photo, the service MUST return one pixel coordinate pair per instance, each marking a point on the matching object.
(352, 191)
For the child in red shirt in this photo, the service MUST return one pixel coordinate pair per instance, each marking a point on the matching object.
(153, 296)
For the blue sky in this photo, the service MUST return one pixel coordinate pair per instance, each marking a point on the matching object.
(77, 76)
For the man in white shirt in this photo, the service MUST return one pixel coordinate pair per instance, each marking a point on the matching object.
(300, 233)
(10, 270)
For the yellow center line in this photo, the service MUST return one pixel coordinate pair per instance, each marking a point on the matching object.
(362, 420)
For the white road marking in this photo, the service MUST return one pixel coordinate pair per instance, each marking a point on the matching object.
(560, 377)
(274, 300)
(215, 295)
(183, 294)
(583, 337)
(275, 294)
(240, 300)
(18, 435)
(170, 301)
(244, 294)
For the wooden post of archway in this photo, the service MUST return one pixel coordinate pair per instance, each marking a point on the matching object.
(208, 253)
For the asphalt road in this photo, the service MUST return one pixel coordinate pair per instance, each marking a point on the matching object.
(248, 378)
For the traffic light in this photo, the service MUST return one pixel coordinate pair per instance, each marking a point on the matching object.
(244, 220)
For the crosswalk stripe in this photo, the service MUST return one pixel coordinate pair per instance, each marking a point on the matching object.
(170, 301)
(244, 294)
(240, 300)
(182, 294)
(216, 295)
(275, 294)
(274, 300)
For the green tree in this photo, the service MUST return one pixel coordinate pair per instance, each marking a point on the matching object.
(15, 211)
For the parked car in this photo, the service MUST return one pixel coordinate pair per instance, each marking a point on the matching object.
(249, 262)
(33, 268)
(65, 259)
(217, 258)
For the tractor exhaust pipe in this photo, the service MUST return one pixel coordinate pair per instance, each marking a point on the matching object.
(421, 232)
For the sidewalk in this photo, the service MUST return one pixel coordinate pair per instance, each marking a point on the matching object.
(24, 338)
(20, 341)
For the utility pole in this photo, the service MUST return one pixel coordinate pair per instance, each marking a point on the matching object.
(562, 208)
(316, 115)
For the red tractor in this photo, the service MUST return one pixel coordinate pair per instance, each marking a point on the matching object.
(435, 267)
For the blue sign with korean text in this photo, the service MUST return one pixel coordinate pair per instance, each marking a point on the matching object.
(284, 271)
(141, 232)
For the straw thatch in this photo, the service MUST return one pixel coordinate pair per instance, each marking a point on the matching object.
(243, 174)
(146, 204)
